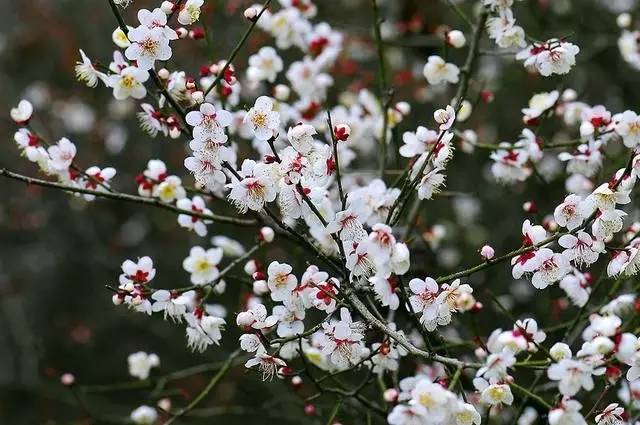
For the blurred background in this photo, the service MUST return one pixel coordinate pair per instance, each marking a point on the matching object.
(57, 252)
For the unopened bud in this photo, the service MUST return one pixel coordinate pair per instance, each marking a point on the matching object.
(487, 252)
(623, 20)
(456, 39)
(260, 287)
(404, 108)
(250, 14)
(196, 34)
(391, 395)
(310, 410)
(251, 267)
(117, 299)
(164, 73)
(67, 379)
(165, 404)
(266, 234)
(296, 382)
(182, 32)
(281, 92)
(530, 207)
(167, 7)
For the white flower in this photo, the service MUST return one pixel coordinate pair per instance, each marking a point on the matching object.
(385, 289)
(539, 104)
(22, 113)
(342, 340)
(256, 318)
(568, 413)
(425, 301)
(266, 363)
(190, 12)
(581, 248)
(191, 222)
(208, 123)
(348, 224)
(417, 143)
(253, 191)
(572, 374)
(173, 304)
(203, 265)
(170, 190)
(437, 71)
(301, 137)
(567, 214)
(141, 272)
(203, 330)
(576, 285)
(262, 119)
(140, 364)
(551, 57)
(433, 397)
(264, 65)
(87, 73)
(62, 154)
(129, 83)
(445, 117)
(613, 414)
(290, 318)
(281, 281)
(551, 268)
(495, 394)
(628, 126)
(144, 415)
(148, 45)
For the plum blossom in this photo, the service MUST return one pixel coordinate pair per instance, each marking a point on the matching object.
(203, 264)
(437, 71)
(195, 205)
(262, 119)
(141, 363)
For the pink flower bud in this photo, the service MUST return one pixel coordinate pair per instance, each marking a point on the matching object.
(296, 382)
(250, 14)
(456, 39)
(487, 252)
(164, 73)
(117, 299)
(391, 395)
(266, 234)
(310, 410)
(182, 32)
(165, 404)
(67, 379)
(530, 207)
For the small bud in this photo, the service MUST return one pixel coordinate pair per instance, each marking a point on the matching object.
(530, 207)
(182, 32)
(456, 39)
(196, 34)
(167, 7)
(165, 404)
(190, 84)
(310, 410)
(487, 252)
(296, 382)
(251, 267)
(214, 69)
(250, 13)
(281, 92)
(404, 108)
(480, 353)
(259, 276)
(391, 395)
(174, 132)
(487, 96)
(260, 287)
(613, 373)
(342, 132)
(569, 95)
(117, 299)
(623, 20)
(164, 73)
(266, 234)
(197, 96)
(67, 379)
(477, 307)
